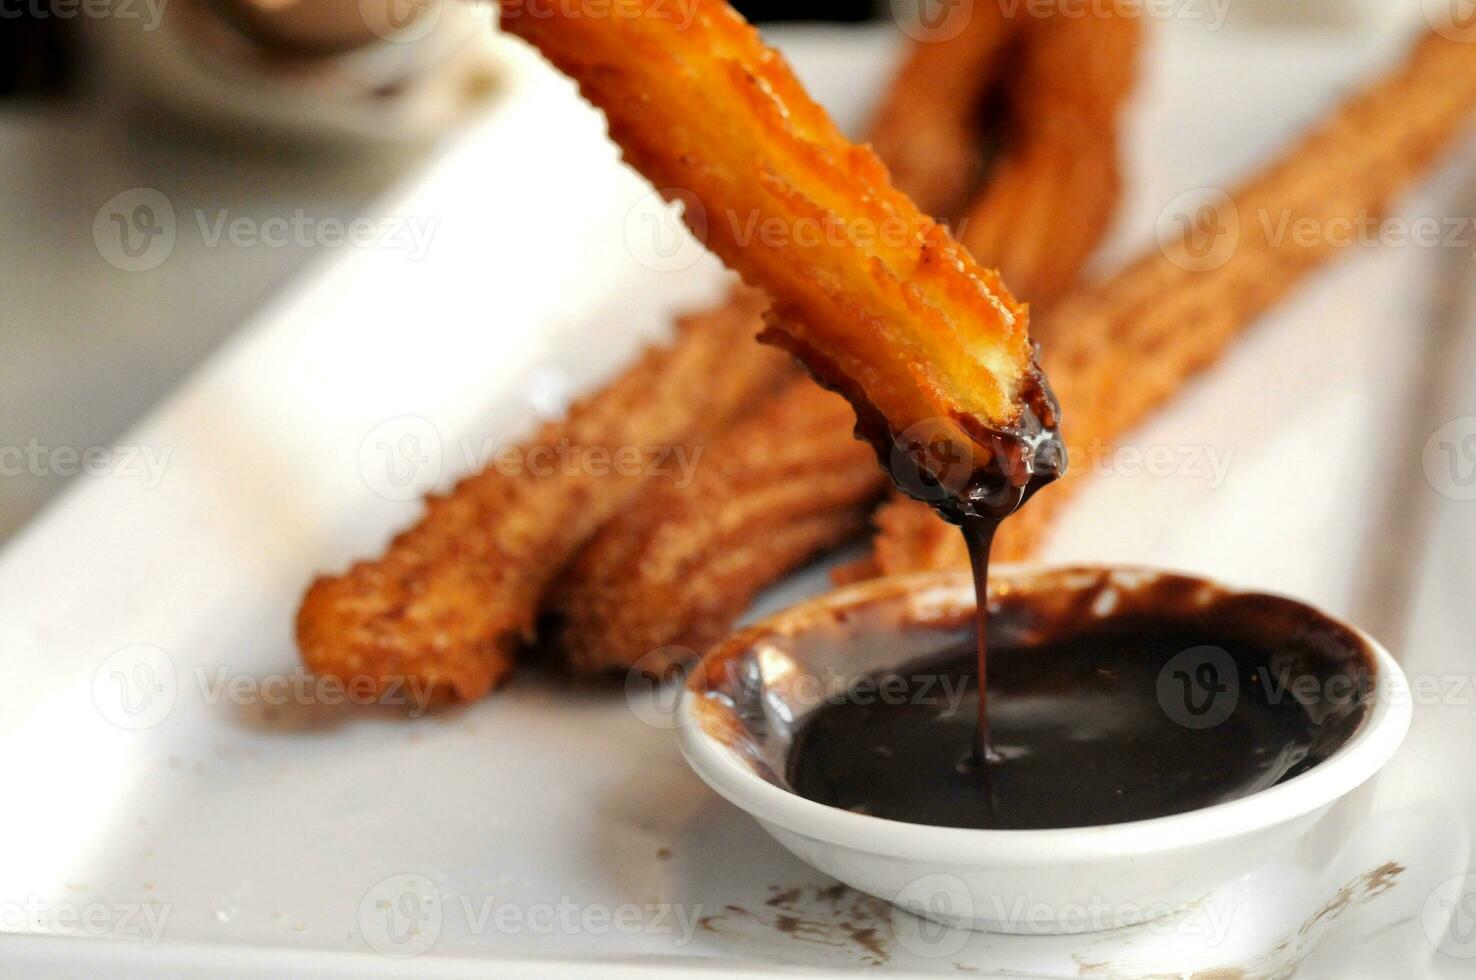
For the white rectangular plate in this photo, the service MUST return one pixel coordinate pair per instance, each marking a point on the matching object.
(156, 800)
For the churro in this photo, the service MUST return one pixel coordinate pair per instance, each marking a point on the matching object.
(683, 563)
(1122, 348)
(454, 597)
(623, 598)
(1052, 192)
(933, 128)
(446, 613)
(878, 300)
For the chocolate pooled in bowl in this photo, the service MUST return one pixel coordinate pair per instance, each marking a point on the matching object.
(1114, 697)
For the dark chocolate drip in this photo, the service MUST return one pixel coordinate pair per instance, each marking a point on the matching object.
(979, 535)
(959, 466)
(973, 475)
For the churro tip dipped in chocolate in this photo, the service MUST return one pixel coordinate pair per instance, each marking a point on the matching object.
(674, 571)
(1166, 317)
(883, 305)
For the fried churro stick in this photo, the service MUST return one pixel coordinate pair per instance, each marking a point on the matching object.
(1051, 196)
(875, 297)
(686, 551)
(1121, 349)
(454, 597)
(449, 603)
(930, 128)
(625, 596)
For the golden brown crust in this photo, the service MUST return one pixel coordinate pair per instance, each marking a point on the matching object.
(1052, 194)
(875, 296)
(679, 567)
(438, 612)
(1119, 350)
(625, 597)
(930, 126)
(453, 598)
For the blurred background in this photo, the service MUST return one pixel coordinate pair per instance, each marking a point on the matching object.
(39, 49)
(115, 113)
(251, 108)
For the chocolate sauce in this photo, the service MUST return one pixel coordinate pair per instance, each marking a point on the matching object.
(979, 536)
(1057, 728)
(1025, 459)
(973, 475)
(1092, 720)
(1016, 462)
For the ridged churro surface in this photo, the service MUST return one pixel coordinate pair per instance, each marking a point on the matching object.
(1062, 86)
(879, 301)
(1117, 351)
(446, 602)
(454, 597)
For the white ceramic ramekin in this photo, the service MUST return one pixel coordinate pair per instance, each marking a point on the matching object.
(1016, 881)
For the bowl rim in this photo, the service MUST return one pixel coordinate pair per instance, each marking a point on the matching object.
(1371, 746)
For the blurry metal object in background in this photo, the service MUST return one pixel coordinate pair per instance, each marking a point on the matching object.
(384, 71)
(37, 52)
(39, 49)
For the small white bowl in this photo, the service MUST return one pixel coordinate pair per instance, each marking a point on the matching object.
(736, 719)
